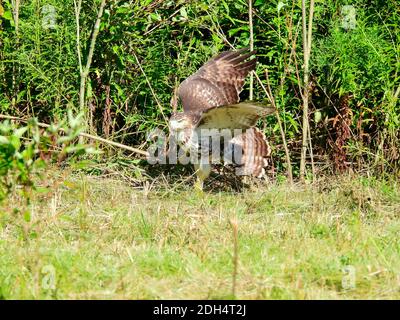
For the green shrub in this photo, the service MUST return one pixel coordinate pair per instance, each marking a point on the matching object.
(25, 150)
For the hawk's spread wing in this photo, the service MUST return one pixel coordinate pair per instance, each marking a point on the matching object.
(218, 82)
(237, 116)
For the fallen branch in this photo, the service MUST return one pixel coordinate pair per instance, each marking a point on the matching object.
(83, 134)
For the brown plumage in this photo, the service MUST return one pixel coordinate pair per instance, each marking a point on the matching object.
(255, 150)
(217, 83)
(210, 100)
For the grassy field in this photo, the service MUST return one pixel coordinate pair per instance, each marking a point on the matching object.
(98, 238)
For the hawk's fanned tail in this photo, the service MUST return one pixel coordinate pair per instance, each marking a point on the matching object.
(255, 150)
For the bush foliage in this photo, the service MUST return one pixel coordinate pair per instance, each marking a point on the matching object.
(26, 150)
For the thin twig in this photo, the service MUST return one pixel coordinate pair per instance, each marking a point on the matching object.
(161, 23)
(287, 154)
(83, 134)
(174, 99)
(396, 94)
(15, 8)
(151, 89)
(84, 71)
(251, 45)
(78, 32)
(310, 23)
(307, 37)
(96, 30)
(311, 155)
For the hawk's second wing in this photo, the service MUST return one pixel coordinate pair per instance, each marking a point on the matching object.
(218, 82)
(237, 116)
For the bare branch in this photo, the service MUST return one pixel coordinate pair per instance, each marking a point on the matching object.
(84, 71)
(151, 89)
(307, 37)
(96, 29)
(251, 45)
(77, 7)
(82, 134)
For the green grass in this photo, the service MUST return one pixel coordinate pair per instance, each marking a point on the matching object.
(103, 239)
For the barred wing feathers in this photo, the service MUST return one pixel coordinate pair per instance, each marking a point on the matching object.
(218, 82)
(237, 116)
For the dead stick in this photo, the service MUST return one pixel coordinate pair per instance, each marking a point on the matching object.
(83, 134)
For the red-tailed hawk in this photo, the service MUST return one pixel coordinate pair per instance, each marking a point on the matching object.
(210, 100)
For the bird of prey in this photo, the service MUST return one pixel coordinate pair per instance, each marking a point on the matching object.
(210, 100)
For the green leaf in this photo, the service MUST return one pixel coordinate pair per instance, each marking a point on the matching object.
(15, 142)
(124, 10)
(317, 116)
(258, 3)
(119, 90)
(74, 148)
(280, 6)
(183, 12)
(155, 16)
(27, 216)
(63, 139)
(19, 132)
(89, 91)
(232, 32)
(8, 16)
(4, 140)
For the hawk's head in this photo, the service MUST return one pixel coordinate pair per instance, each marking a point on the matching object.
(180, 121)
(182, 125)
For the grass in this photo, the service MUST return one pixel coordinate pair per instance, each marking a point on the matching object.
(99, 238)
